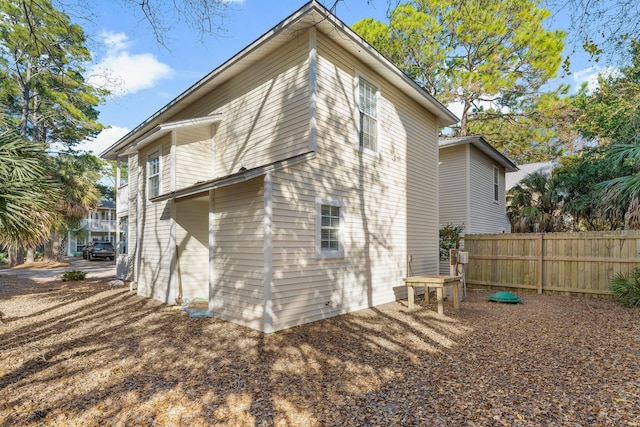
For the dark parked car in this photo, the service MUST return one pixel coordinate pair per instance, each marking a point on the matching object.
(99, 250)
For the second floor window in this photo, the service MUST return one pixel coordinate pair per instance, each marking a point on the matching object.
(153, 175)
(368, 109)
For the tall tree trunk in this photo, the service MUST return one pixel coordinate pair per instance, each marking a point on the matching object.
(55, 246)
(13, 256)
(464, 119)
(48, 250)
(26, 98)
(63, 247)
(30, 255)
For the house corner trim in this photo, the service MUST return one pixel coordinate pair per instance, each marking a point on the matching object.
(313, 71)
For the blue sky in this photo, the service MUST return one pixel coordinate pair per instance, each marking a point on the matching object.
(145, 76)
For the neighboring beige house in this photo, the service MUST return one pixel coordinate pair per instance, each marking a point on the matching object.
(96, 226)
(289, 185)
(472, 185)
(513, 178)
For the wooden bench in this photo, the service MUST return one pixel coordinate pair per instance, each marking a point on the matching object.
(433, 281)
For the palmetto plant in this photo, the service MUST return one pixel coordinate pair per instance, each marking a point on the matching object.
(625, 190)
(27, 196)
(627, 288)
(535, 205)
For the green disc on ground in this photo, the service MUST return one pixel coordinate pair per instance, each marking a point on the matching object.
(507, 297)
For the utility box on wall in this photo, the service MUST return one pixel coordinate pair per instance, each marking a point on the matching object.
(462, 257)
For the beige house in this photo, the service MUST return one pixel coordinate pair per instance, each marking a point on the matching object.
(289, 185)
(472, 185)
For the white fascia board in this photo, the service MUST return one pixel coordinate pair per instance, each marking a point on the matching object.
(164, 128)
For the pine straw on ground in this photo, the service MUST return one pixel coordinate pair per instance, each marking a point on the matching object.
(84, 353)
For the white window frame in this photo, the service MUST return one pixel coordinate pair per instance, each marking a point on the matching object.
(360, 112)
(329, 253)
(157, 175)
(496, 184)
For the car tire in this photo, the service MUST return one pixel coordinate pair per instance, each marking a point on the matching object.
(111, 258)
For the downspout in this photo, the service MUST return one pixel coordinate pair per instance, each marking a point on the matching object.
(174, 288)
(139, 203)
(212, 242)
(118, 245)
(268, 254)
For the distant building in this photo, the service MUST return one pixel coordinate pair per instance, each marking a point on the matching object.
(513, 178)
(472, 185)
(97, 226)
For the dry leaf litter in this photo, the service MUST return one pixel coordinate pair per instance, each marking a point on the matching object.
(88, 354)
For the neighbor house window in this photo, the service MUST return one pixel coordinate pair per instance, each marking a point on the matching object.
(496, 184)
(368, 110)
(329, 223)
(153, 175)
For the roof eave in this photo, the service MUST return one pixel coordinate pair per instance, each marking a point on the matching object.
(484, 146)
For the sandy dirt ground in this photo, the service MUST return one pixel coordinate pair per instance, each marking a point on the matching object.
(87, 354)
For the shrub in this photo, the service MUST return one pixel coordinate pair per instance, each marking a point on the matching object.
(73, 275)
(449, 239)
(626, 288)
(4, 258)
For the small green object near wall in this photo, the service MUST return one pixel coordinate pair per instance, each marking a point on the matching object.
(506, 297)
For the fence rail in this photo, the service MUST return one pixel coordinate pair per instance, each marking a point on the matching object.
(580, 263)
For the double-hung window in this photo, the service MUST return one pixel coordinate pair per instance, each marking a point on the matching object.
(329, 223)
(368, 110)
(153, 175)
(330, 228)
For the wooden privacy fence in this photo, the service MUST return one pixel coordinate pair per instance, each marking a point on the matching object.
(564, 262)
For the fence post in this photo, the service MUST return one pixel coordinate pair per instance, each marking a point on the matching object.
(539, 242)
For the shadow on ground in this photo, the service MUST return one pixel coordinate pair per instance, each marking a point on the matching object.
(85, 353)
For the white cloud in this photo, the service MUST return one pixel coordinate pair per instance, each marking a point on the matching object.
(104, 140)
(590, 76)
(123, 72)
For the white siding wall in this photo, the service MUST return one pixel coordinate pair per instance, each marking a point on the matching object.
(389, 200)
(453, 191)
(422, 192)
(488, 216)
(194, 156)
(192, 239)
(265, 110)
(238, 286)
(154, 246)
(373, 190)
(265, 118)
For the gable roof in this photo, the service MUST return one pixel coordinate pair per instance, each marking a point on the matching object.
(312, 14)
(512, 179)
(481, 144)
(107, 204)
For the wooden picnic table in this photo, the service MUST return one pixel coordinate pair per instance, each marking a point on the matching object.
(433, 281)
